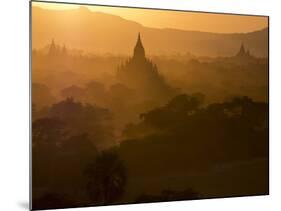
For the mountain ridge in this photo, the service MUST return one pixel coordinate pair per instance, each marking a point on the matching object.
(102, 33)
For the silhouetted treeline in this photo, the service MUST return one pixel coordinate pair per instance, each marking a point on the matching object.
(68, 170)
(183, 146)
(233, 130)
(186, 142)
(219, 79)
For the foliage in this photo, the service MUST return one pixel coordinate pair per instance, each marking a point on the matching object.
(108, 178)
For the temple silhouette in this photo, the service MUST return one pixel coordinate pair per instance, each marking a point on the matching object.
(56, 50)
(139, 52)
(243, 53)
(141, 74)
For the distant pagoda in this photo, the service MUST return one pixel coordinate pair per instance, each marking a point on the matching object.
(139, 52)
(140, 74)
(243, 53)
(56, 50)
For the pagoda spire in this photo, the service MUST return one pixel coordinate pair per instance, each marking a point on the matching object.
(242, 51)
(139, 49)
(52, 48)
(139, 38)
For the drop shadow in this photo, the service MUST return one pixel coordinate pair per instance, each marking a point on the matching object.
(24, 205)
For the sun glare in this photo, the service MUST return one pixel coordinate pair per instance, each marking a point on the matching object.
(54, 6)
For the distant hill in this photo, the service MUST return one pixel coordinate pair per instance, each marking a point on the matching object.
(104, 33)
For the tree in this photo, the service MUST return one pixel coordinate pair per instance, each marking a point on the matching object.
(107, 178)
(58, 164)
(41, 95)
(88, 119)
(47, 131)
(47, 135)
(185, 103)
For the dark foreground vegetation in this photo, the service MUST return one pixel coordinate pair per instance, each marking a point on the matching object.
(181, 150)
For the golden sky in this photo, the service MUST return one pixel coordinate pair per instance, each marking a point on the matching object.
(174, 19)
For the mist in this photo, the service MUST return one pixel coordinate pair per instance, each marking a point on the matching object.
(143, 114)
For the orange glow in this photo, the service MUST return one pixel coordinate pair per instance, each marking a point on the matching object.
(174, 19)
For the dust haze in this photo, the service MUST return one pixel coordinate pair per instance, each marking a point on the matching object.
(125, 113)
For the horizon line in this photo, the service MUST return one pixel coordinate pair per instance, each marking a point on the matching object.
(85, 5)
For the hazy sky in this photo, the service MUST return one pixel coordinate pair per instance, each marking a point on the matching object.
(174, 19)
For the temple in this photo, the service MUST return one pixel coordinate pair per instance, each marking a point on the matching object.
(140, 74)
(56, 50)
(243, 53)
